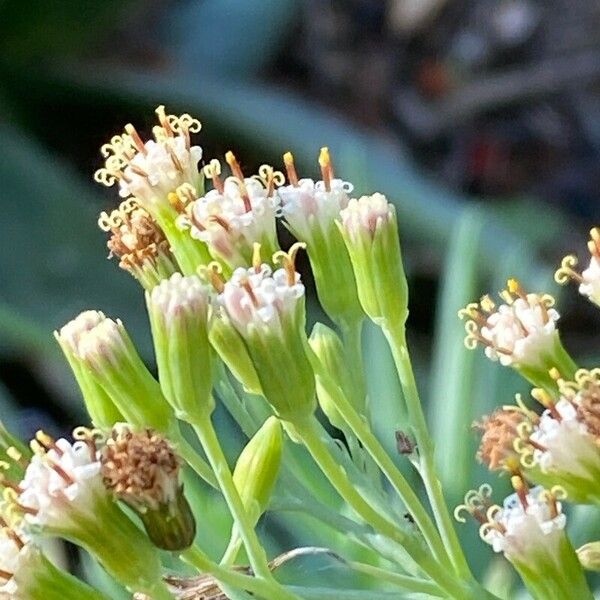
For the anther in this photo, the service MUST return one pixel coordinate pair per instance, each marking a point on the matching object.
(290, 167)
(326, 168)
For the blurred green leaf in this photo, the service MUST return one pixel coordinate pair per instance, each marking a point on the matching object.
(54, 264)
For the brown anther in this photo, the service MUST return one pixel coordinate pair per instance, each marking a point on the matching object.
(521, 489)
(7, 575)
(594, 244)
(588, 408)
(215, 278)
(4, 481)
(25, 509)
(61, 472)
(553, 506)
(138, 170)
(326, 168)
(164, 121)
(217, 182)
(544, 398)
(47, 442)
(19, 543)
(515, 289)
(176, 202)
(135, 136)
(234, 165)
(246, 285)
(290, 167)
(175, 160)
(222, 221)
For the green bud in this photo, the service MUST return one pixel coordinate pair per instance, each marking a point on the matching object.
(106, 358)
(589, 556)
(142, 470)
(178, 309)
(102, 410)
(267, 310)
(370, 231)
(232, 350)
(257, 467)
(329, 349)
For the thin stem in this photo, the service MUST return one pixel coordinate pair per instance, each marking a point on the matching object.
(352, 335)
(256, 554)
(405, 582)
(310, 433)
(195, 461)
(232, 550)
(396, 337)
(385, 463)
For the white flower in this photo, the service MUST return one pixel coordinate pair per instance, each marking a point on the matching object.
(308, 204)
(527, 524)
(261, 298)
(564, 443)
(590, 281)
(151, 170)
(61, 485)
(14, 559)
(521, 331)
(180, 294)
(365, 214)
(75, 330)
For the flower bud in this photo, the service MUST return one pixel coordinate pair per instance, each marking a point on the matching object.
(257, 467)
(62, 495)
(589, 556)
(330, 351)
(310, 210)
(520, 333)
(267, 310)
(370, 231)
(142, 470)
(104, 353)
(178, 308)
(98, 403)
(231, 348)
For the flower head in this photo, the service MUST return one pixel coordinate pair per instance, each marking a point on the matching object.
(236, 214)
(310, 210)
(150, 170)
(143, 470)
(589, 278)
(139, 243)
(366, 214)
(266, 309)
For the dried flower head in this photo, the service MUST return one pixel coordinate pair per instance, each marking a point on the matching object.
(589, 279)
(138, 242)
(150, 170)
(140, 468)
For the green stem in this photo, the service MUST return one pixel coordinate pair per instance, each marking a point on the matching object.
(310, 433)
(263, 588)
(396, 336)
(232, 550)
(256, 554)
(196, 462)
(352, 335)
(412, 584)
(385, 463)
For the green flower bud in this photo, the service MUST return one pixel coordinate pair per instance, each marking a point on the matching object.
(27, 573)
(589, 556)
(310, 210)
(370, 230)
(62, 494)
(178, 309)
(257, 467)
(267, 310)
(330, 351)
(102, 410)
(106, 358)
(143, 471)
(520, 333)
(232, 350)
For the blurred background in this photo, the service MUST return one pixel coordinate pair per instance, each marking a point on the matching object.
(480, 119)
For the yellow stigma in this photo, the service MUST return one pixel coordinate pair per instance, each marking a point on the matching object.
(324, 158)
(290, 167)
(256, 258)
